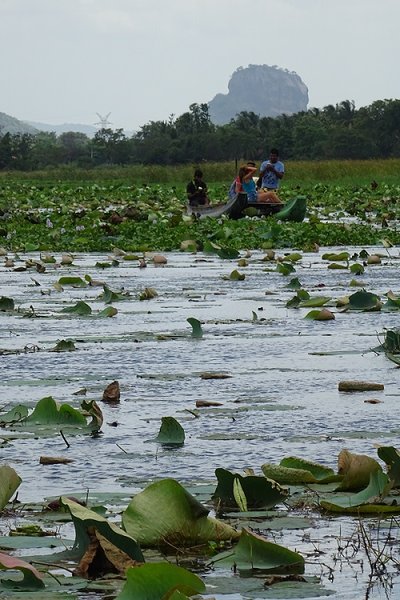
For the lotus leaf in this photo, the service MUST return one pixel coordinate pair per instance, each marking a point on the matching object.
(171, 432)
(356, 470)
(165, 513)
(259, 492)
(254, 552)
(320, 315)
(80, 308)
(236, 276)
(85, 520)
(32, 579)
(314, 302)
(197, 331)
(391, 456)
(365, 500)
(74, 281)
(9, 483)
(6, 304)
(160, 581)
(363, 300)
(15, 414)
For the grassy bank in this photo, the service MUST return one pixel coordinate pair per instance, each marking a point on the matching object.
(348, 172)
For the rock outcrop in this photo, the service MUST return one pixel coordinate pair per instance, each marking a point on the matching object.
(266, 91)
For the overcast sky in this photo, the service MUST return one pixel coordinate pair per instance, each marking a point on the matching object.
(63, 61)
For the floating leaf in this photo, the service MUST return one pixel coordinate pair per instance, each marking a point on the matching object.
(80, 308)
(294, 284)
(109, 311)
(166, 514)
(64, 346)
(6, 304)
(32, 579)
(336, 266)
(259, 492)
(391, 456)
(331, 256)
(9, 483)
(95, 536)
(357, 269)
(156, 581)
(320, 315)
(239, 495)
(314, 302)
(171, 432)
(197, 331)
(364, 501)
(74, 281)
(363, 300)
(254, 552)
(355, 470)
(285, 268)
(148, 293)
(236, 276)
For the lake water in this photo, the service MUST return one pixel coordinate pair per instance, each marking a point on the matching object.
(281, 397)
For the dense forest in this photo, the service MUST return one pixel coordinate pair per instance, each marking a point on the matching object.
(333, 132)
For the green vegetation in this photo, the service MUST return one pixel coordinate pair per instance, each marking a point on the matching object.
(68, 211)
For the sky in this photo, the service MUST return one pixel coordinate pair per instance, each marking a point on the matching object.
(63, 61)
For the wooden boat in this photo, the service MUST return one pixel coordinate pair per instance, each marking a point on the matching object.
(238, 207)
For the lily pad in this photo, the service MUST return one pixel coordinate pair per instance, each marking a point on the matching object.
(259, 492)
(197, 331)
(9, 483)
(254, 552)
(171, 432)
(166, 514)
(32, 579)
(155, 581)
(366, 500)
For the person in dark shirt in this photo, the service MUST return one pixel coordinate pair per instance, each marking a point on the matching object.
(197, 190)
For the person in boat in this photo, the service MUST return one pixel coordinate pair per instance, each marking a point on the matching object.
(197, 190)
(247, 184)
(236, 186)
(271, 173)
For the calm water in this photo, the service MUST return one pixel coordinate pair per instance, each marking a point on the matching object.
(281, 397)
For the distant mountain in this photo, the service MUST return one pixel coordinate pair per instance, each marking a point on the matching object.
(266, 91)
(12, 125)
(88, 130)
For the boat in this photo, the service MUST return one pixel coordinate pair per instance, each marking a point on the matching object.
(239, 207)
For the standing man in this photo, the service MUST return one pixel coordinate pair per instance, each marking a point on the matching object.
(271, 171)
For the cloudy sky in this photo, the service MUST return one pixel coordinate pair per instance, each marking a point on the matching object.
(143, 60)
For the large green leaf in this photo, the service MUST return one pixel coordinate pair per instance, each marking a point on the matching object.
(367, 500)
(254, 552)
(32, 579)
(47, 411)
(259, 492)
(74, 281)
(315, 302)
(171, 432)
(363, 300)
(80, 308)
(9, 483)
(159, 581)
(165, 513)
(83, 519)
(15, 414)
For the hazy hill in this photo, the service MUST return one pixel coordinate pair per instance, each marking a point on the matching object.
(88, 130)
(266, 91)
(12, 125)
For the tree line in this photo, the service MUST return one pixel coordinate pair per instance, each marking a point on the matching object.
(332, 132)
